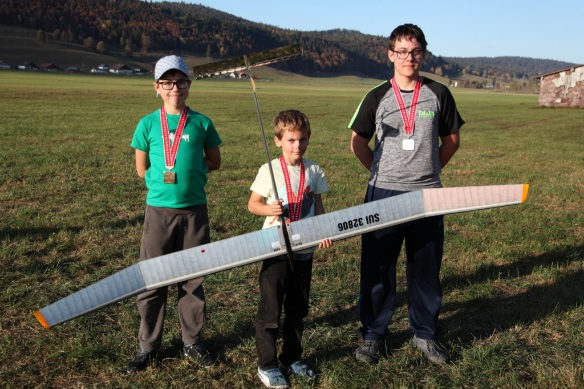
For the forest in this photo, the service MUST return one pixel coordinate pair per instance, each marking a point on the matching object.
(135, 27)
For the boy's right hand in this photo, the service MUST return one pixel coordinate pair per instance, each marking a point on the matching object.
(277, 208)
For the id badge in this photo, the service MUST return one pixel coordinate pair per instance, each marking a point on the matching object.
(169, 177)
(408, 144)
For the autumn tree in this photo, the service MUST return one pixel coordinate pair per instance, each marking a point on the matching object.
(101, 47)
(56, 35)
(146, 43)
(89, 42)
(223, 52)
(128, 52)
(41, 36)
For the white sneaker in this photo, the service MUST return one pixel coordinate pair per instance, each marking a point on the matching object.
(273, 378)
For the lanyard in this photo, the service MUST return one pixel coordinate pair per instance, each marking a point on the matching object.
(295, 207)
(170, 153)
(408, 121)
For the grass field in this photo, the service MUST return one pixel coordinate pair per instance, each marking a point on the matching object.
(71, 211)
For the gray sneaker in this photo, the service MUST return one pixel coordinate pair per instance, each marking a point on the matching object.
(368, 351)
(431, 349)
(300, 369)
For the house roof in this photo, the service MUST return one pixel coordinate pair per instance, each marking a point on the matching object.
(48, 65)
(559, 71)
(120, 66)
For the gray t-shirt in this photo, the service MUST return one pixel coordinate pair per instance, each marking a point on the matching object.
(379, 115)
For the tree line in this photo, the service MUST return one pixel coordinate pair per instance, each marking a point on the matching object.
(136, 27)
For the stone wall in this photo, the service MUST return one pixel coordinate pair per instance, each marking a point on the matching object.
(563, 89)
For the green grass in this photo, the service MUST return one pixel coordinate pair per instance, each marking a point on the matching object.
(72, 208)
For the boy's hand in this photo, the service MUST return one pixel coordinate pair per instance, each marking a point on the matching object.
(277, 208)
(325, 243)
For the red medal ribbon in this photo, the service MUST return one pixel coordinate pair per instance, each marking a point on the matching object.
(408, 122)
(294, 206)
(170, 153)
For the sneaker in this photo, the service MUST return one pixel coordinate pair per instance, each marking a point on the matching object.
(273, 378)
(431, 349)
(199, 354)
(300, 369)
(368, 352)
(140, 361)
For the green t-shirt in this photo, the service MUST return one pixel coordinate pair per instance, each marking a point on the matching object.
(198, 135)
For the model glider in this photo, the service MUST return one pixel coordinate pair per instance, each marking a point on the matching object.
(248, 248)
(247, 62)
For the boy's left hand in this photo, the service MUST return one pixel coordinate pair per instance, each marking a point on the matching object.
(325, 243)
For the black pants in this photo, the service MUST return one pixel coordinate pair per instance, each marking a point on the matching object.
(280, 287)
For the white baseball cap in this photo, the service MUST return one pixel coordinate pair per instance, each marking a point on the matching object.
(171, 62)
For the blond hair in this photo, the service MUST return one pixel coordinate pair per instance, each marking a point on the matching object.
(290, 120)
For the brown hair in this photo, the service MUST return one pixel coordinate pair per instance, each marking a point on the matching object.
(290, 120)
(410, 32)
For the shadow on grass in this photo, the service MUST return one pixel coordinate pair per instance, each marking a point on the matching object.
(46, 232)
(39, 243)
(480, 317)
(514, 303)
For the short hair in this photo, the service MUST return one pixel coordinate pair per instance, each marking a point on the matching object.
(410, 32)
(290, 120)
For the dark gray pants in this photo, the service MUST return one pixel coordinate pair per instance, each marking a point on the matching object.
(167, 230)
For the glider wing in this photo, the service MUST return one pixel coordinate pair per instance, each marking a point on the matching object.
(237, 64)
(252, 247)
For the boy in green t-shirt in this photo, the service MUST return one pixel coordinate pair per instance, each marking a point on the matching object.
(175, 149)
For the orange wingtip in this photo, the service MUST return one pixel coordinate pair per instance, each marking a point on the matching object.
(525, 190)
(41, 319)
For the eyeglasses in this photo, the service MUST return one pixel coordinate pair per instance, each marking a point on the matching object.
(404, 54)
(169, 85)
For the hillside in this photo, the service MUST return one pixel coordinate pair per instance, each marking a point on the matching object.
(515, 67)
(19, 45)
(135, 32)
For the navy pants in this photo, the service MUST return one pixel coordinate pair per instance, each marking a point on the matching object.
(424, 239)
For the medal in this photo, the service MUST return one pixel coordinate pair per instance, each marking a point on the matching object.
(294, 205)
(169, 177)
(408, 144)
(170, 153)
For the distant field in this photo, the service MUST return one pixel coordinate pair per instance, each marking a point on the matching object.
(71, 212)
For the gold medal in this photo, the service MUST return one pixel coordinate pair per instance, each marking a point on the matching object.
(169, 177)
(170, 153)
